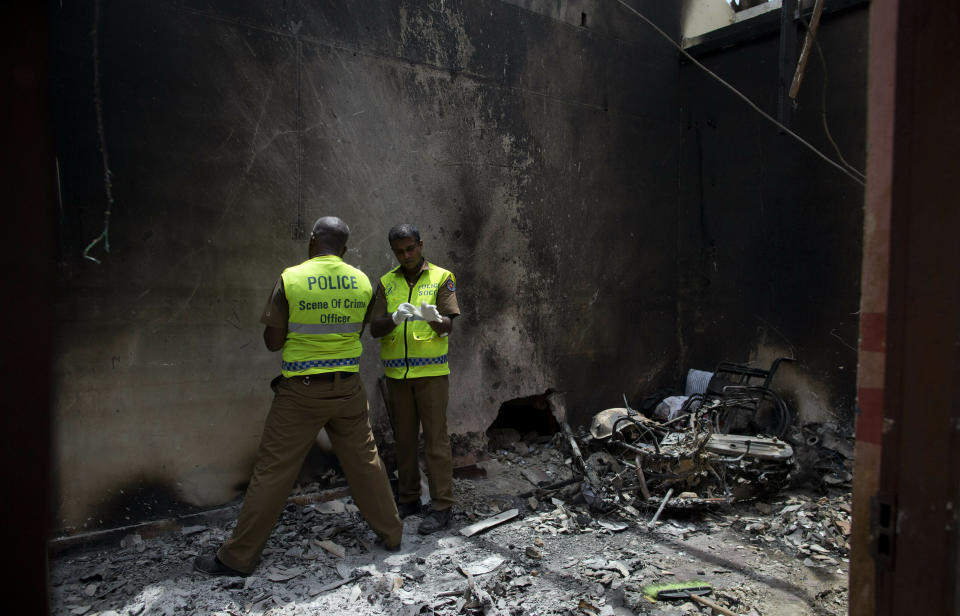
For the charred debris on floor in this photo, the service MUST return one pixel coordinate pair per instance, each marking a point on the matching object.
(708, 483)
(728, 438)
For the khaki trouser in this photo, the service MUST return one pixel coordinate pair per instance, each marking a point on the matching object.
(299, 411)
(414, 402)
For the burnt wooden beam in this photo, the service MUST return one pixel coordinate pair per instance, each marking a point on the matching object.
(787, 60)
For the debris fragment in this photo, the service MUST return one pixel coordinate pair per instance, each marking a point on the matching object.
(712, 605)
(192, 530)
(500, 518)
(618, 566)
(133, 541)
(282, 575)
(663, 504)
(535, 476)
(356, 575)
(331, 506)
(94, 576)
(481, 567)
(757, 447)
(588, 608)
(612, 525)
(334, 548)
(478, 598)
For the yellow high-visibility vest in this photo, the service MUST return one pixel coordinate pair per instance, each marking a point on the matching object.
(327, 301)
(413, 349)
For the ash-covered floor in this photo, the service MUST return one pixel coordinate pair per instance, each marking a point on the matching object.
(785, 555)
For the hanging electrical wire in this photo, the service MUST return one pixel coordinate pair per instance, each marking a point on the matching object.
(847, 172)
(823, 100)
(98, 106)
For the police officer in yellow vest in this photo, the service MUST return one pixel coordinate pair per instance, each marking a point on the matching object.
(414, 307)
(316, 314)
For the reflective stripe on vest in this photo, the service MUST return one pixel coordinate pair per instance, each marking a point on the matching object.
(320, 363)
(414, 361)
(413, 349)
(327, 302)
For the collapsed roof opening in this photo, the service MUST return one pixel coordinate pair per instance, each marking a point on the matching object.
(531, 418)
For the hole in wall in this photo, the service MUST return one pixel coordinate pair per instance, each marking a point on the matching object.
(530, 418)
(583, 20)
(321, 465)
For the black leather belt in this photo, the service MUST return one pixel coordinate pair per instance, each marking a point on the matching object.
(322, 377)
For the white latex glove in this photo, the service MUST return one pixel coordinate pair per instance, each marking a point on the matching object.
(430, 312)
(404, 312)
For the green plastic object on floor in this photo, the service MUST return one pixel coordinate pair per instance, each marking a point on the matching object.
(677, 590)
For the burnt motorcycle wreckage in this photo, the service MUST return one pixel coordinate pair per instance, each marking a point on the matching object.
(711, 447)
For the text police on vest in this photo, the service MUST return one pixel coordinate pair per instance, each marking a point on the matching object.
(332, 282)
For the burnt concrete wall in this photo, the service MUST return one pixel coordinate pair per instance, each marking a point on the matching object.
(770, 236)
(534, 143)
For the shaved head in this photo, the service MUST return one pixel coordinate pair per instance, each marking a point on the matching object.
(329, 236)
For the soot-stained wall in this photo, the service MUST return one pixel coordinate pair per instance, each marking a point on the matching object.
(770, 235)
(534, 144)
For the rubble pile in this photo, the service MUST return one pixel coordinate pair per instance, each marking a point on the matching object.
(629, 465)
(568, 523)
(817, 530)
(728, 439)
(546, 555)
(824, 455)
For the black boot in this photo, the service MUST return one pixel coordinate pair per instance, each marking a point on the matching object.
(211, 565)
(435, 520)
(407, 509)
